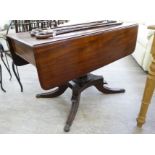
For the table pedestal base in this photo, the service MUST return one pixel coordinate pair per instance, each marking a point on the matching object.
(77, 86)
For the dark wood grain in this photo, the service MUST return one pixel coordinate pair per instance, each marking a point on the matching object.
(70, 59)
(16, 58)
(70, 56)
(24, 51)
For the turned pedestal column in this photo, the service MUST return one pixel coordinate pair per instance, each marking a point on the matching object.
(149, 88)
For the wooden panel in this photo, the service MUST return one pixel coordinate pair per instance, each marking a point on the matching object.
(16, 59)
(24, 52)
(60, 62)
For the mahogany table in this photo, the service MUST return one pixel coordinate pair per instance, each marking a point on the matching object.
(66, 60)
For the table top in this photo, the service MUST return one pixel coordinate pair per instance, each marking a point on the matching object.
(71, 55)
(26, 38)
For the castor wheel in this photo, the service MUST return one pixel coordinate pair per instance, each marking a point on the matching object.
(67, 128)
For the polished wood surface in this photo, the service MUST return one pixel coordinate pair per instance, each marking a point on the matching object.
(71, 55)
(149, 89)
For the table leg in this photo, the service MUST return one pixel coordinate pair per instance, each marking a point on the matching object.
(15, 70)
(60, 90)
(107, 90)
(1, 80)
(74, 108)
(148, 92)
